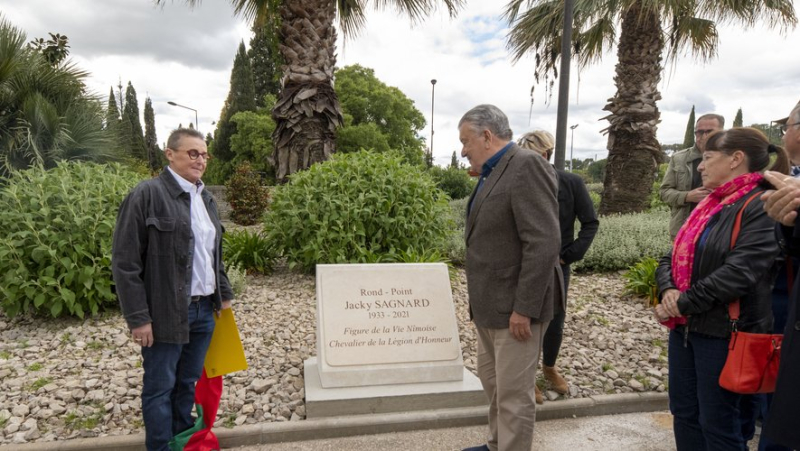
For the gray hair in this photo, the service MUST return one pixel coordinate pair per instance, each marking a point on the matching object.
(488, 117)
(795, 114)
(178, 133)
(720, 120)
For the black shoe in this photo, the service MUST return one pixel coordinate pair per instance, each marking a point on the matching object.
(477, 448)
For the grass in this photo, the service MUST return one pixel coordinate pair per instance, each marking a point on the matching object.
(5, 355)
(67, 338)
(3, 421)
(39, 383)
(23, 343)
(95, 345)
(35, 367)
(607, 366)
(74, 422)
(643, 380)
(230, 421)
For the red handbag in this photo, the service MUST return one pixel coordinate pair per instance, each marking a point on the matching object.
(753, 359)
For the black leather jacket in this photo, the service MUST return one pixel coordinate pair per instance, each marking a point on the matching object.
(720, 275)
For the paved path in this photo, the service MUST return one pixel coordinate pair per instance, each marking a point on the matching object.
(634, 432)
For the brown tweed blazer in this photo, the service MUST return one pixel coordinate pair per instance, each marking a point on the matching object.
(513, 242)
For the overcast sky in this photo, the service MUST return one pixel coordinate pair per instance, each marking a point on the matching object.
(174, 53)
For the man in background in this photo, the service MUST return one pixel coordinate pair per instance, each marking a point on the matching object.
(682, 188)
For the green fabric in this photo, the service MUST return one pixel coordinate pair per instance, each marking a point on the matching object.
(179, 441)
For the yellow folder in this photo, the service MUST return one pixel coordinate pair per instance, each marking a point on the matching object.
(225, 353)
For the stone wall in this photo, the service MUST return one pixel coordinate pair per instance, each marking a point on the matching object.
(218, 191)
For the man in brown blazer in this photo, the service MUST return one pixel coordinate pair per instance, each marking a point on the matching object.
(513, 273)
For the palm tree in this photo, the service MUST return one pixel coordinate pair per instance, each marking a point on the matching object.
(307, 112)
(45, 114)
(648, 29)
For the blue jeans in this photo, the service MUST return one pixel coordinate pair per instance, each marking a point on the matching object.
(170, 373)
(705, 415)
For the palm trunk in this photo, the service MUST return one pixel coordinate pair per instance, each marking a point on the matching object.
(307, 112)
(633, 150)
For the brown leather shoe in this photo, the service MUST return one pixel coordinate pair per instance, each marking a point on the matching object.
(557, 382)
(539, 398)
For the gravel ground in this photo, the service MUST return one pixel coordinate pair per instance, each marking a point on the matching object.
(66, 378)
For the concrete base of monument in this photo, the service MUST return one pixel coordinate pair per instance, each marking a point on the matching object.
(329, 402)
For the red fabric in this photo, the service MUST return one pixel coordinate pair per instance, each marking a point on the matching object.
(692, 229)
(208, 393)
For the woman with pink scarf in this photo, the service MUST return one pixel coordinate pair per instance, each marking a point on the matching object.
(703, 274)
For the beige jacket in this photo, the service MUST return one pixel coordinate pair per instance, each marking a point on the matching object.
(676, 184)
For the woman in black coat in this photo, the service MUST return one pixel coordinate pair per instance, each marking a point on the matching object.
(703, 274)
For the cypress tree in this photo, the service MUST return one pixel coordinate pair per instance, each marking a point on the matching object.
(132, 126)
(737, 121)
(454, 161)
(265, 62)
(241, 97)
(112, 114)
(688, 138)
(150, 141)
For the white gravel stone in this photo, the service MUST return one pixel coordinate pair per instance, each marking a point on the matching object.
(276, 316)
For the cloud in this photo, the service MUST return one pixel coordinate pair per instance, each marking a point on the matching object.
(199, 37)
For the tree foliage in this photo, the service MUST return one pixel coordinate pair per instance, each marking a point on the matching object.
(241, 97)
(307, 112)
(737, 120)
(155, 157)
(644, 31)
(45, 113)
(265, 62)
(367, 100)
(131, 133)
(55, 50)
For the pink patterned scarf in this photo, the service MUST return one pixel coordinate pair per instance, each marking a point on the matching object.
(686, 241)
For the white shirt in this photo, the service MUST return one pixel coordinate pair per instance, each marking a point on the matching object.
(204, 280)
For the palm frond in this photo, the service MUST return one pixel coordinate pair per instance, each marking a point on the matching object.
(352, 13)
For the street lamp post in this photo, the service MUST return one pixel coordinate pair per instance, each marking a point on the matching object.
(183, 106)
(571, 142)
(433, 98)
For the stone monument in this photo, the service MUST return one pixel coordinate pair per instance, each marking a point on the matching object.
(387, 330)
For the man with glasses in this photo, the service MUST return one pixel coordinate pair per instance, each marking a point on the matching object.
(170, 279)
(682, 187)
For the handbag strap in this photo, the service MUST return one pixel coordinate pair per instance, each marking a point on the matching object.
(733, 307)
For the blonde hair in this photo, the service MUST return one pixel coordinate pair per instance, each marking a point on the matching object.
(538, 141)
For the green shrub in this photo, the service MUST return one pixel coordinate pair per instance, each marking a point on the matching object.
(361, 207)
(237, 277)
(641, 279)
(595, 188)
(250, 251)
(55, 250)
(246, 195)
(455, 247)
(624, 240)
(453, 181)
(596, 198)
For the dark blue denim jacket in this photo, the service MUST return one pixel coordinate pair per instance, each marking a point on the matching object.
(151, 258)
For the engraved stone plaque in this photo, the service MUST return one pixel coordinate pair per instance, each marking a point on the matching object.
(386, 324)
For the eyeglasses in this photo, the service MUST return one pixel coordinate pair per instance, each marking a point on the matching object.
(785, 127)
(703, 132)
(195, 154)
